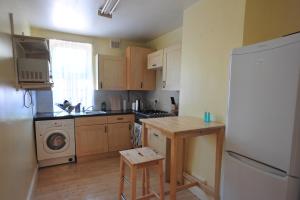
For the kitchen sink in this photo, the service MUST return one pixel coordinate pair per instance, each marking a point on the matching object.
(95, 112)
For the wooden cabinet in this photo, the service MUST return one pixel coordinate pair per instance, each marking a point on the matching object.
(91, 135)
(84, 121)
(120, 118)
(117, 74)
(138, 76)
(157, 141)
(111, 72)
(119, 136)
(155, 59)
(91, 140)
(171, 68)
(119, 132)
(102, 134)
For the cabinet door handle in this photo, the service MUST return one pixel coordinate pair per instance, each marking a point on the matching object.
(101, 84)
(156, 135)
(153, 65)
(141, 84)
(106, 129)
(120, 118)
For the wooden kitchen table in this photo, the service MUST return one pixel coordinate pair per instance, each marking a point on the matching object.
(177, 129)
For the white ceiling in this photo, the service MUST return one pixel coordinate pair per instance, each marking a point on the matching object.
(132, 19)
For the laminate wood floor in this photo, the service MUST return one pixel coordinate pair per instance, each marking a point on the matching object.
(92, 180)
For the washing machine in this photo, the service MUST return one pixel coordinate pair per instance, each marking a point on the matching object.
(55, 142)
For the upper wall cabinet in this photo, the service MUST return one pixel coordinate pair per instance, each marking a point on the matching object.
(171, 68)
(111, 72)
(138, 76)
(155, 59)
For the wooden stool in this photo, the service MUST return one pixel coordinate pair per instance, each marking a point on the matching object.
(136, 159)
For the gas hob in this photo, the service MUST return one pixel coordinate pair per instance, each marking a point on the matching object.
(151, 114)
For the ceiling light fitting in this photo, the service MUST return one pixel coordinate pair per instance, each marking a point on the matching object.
(108, 8)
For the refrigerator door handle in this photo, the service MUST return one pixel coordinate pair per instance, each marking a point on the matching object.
(257, 165)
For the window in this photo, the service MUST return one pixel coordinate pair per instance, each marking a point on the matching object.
(72, 72)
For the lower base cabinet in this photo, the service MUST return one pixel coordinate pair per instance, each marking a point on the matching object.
(157, 141)
(119, 136)
(98, 135)
(91, 140)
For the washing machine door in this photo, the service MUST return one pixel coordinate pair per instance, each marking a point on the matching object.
(56, 141)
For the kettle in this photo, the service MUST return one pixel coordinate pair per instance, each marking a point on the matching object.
(138, 105)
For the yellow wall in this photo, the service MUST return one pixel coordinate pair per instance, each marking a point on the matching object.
(168, 39)
(211, 28)
(17, 151)
(100, 45)
(269, 19)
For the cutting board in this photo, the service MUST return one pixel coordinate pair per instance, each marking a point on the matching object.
(115, 102)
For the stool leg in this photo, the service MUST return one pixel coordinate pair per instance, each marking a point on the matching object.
(133, 182)
(144, 182)
(147, 181)
(161, 180)
(122, 174)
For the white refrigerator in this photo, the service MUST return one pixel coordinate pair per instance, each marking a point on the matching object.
(262, 147)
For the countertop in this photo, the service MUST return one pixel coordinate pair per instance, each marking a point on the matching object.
(181, 124)
(65, 115)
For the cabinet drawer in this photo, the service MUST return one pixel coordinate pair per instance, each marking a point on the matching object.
(155, 59)
(120, 118)
(83, 121)
(157, 141)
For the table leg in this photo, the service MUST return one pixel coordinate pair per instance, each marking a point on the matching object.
(147, 176)
(219, 151)
(144, 182)
(161, 180)
(168, 160)
(122, 174)
(180, 160)
(145, 135)
(173, 175)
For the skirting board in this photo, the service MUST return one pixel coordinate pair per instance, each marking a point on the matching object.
(32, 184)
(199, 193)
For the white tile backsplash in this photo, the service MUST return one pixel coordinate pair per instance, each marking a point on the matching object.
(44, 101)
(163, 97)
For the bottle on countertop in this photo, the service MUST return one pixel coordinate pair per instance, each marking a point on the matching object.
(133, 106)
(124, 105)
(138, 105)
(155, 104)
(174, 107)
(103, 106)
(77, 108)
